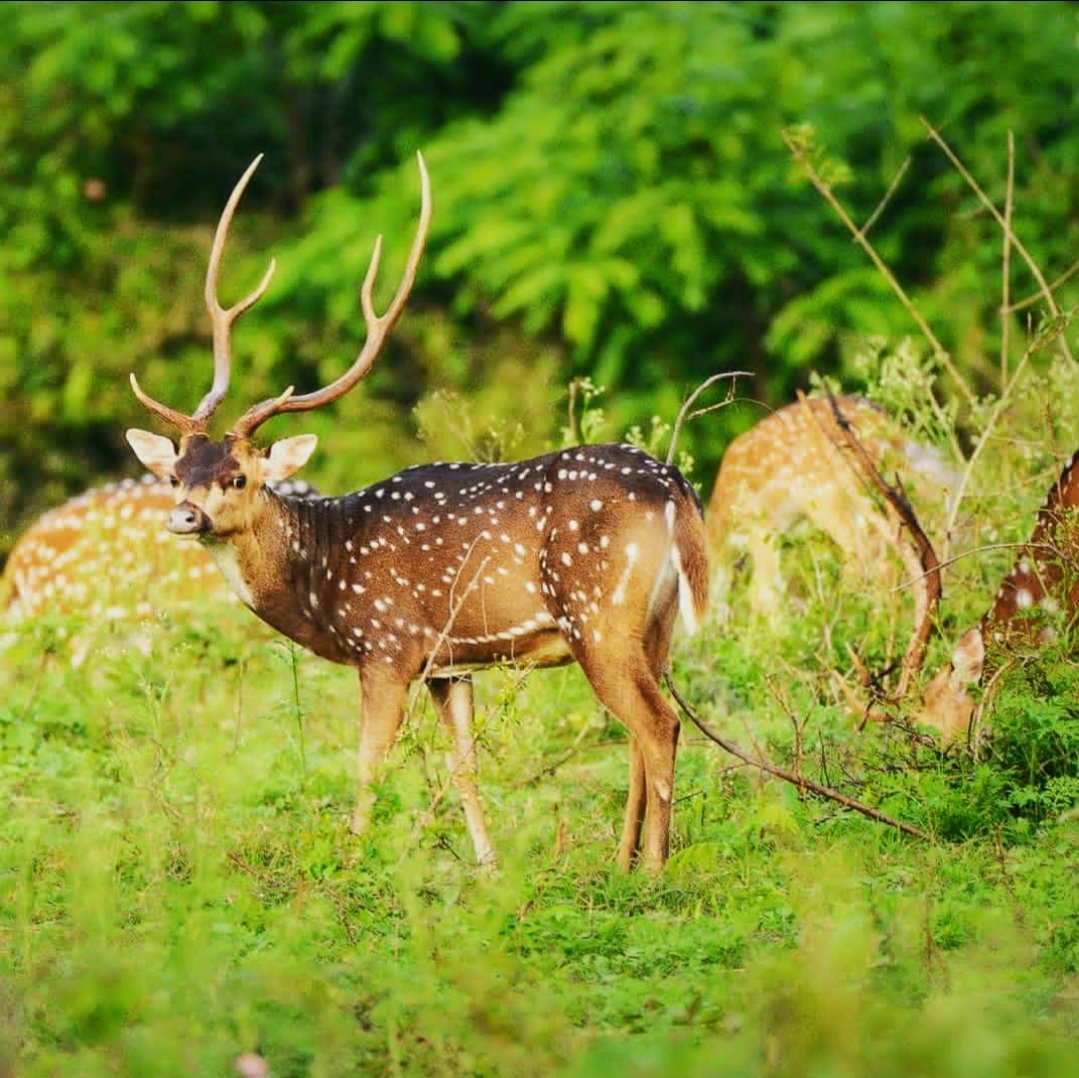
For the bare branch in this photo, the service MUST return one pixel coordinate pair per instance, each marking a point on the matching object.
(826, 192)
(1030, 300)
(892, 188)
(781, 773)
(928, 598)
(688, 403)
(1006, 265)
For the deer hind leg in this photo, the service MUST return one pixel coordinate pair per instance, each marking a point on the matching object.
(636, 801)
(629, 689)
(766, 585)
(382, 710)
(454, 703)
(657, 644)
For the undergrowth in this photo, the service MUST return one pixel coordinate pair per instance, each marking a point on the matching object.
(179, 884)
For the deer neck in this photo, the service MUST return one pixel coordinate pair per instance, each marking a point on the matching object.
(273, 564)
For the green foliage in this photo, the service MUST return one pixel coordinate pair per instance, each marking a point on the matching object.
(177, 886)
(612, 192)
(614, 207)
(1036, 735)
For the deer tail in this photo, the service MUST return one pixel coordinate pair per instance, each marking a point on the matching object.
(689, 557)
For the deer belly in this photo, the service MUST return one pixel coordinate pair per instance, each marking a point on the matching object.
(546, 646)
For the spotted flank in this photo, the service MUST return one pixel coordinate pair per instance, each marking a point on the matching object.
(794, 465)
(1039, 593)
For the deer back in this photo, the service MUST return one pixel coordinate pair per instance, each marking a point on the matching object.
(797, 464)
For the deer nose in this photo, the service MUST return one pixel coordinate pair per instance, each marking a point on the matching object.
(188, 519)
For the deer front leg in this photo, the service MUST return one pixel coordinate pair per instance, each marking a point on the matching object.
(454, 703)
(381, 712)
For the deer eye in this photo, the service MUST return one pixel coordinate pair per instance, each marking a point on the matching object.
(238, 482)
(173, 481)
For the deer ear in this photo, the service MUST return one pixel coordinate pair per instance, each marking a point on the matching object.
(157, 453)
(968, 659)
(288, 456)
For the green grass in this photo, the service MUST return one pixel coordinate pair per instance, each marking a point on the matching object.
(178, 884)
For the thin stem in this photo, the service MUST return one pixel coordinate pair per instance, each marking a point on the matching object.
(1024, 254)
(1029, 301)
(957, 500)
(826, 192)
(892, 188)
(297, 710)
(1006, 265)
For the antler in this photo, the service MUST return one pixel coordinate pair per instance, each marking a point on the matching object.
(221, 320)
(378, 328)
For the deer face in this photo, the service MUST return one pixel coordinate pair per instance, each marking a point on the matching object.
(218, 484)
(947, 704)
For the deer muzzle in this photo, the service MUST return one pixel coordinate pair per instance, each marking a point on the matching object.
(188, 519)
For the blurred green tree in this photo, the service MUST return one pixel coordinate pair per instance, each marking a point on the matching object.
(613, 198)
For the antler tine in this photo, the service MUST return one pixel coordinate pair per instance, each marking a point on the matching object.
(185, 424)
(378, 327)
(221, 320)
(220, 317)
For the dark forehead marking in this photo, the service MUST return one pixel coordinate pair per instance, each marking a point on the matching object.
(203, 461)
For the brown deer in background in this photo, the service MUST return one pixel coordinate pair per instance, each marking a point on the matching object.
(797, 464)
(1037, 598)
(585, 555)
(104, 556)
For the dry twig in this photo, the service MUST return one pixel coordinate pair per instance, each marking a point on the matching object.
(1006, 264)
(788, 776)
(1012, 238)
(931, 589)
(689, 401)
(826, 192)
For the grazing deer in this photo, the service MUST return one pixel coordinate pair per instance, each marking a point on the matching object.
(103, 555)
(1038, 597)
(796, 464)
(584, 555)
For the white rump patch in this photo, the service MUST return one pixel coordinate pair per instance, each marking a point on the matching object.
(685, 595)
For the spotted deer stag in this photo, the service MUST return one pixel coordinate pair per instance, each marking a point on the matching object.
(585, 555)
(1038, 598)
